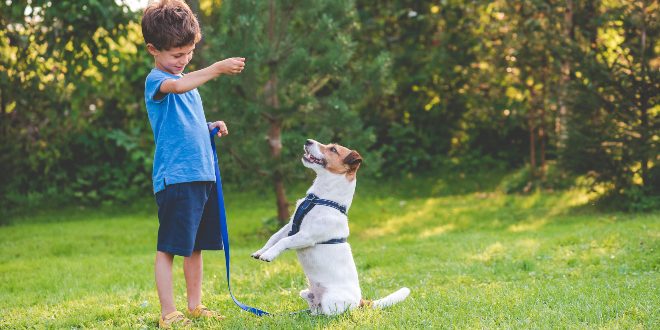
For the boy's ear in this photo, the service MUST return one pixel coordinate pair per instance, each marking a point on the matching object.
(152, 49)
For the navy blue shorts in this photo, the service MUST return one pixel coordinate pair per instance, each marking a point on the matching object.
(188, 217)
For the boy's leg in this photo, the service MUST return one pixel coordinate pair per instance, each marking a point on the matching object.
(163, 270)
(192, 269)
(207, 237)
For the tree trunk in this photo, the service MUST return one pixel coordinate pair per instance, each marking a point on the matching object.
(532, 149)
(275, 143)
(531, 123)
(542, 121)
(275, 130)
(645, 130)
(3, 111)
(542, 143)
(561, 123)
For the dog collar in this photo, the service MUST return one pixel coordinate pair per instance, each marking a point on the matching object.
(307, 205)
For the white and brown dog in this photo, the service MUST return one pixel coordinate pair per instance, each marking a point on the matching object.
(320, 240)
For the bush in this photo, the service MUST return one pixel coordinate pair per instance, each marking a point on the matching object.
(633, 199)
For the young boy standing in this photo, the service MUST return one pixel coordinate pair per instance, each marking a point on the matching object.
(183, 169)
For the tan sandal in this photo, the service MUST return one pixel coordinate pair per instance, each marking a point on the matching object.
(175, 318)
(202, 311)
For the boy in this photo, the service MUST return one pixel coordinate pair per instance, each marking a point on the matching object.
(183, 173)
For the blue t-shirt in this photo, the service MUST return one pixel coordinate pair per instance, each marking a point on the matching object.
(183, 148)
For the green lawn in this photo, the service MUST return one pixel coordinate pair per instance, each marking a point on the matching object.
(472, 256)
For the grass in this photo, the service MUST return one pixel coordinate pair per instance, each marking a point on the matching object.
(472, 256)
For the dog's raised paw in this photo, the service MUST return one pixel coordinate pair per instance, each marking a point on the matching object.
(268, 257)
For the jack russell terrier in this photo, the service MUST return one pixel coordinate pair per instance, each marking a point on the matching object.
(320, 240)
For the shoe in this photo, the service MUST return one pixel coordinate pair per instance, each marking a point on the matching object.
(175, 318)
(202, 311)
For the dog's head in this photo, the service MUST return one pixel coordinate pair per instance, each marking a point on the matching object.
(333, 158)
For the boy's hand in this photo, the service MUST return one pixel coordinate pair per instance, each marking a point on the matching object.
(222, 128)
(232, 65)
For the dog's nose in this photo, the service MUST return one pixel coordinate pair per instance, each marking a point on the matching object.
(309, 142)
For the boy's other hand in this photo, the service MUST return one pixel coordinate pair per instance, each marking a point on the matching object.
(232, 65)
(222, 128)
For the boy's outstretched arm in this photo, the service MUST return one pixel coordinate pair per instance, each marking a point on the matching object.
(192, 80)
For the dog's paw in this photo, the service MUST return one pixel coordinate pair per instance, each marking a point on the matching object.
(258, 253)
(266, 259)
(268, 256)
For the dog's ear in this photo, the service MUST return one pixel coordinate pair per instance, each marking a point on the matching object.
(353, 160)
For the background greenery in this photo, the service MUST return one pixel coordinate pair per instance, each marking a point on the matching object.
(494, 134)
(554, 89)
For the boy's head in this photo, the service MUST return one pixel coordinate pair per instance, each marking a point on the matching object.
(170, 30)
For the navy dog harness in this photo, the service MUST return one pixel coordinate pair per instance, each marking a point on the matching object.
(307, 205)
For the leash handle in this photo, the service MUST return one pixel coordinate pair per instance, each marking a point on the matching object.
(223, 228)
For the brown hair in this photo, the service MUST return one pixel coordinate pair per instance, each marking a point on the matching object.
(168, 24)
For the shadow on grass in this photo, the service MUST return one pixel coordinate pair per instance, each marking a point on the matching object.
(79, 212)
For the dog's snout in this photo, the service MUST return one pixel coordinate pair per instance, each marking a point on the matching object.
(309, 142)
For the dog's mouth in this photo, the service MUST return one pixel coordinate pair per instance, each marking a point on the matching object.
(308, 157)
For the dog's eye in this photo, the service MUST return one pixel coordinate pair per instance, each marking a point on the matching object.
(333, 149)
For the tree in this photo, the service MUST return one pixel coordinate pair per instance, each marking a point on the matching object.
(442, 107)
(303, 79)
(71, 78)
(617, 76)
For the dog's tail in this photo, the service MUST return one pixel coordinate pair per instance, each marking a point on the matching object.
(396, 297)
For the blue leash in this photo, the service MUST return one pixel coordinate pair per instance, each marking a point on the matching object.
(223, 229)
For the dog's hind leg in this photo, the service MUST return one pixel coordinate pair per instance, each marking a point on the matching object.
(338, 301)
(304, 293)
(336, 307)
(313, 296)
(308, 297)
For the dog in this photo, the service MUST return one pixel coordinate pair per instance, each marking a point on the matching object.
(320, 240)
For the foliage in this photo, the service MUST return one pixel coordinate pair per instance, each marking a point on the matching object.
(415, 86)
(525, 82)
(303, 80)
(615, 133)
(71, 121)
(432, 49)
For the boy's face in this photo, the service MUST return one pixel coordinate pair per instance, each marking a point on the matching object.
(172, 60)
